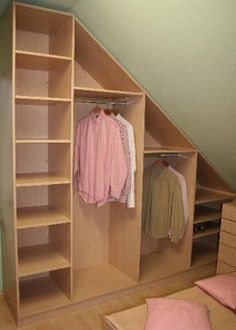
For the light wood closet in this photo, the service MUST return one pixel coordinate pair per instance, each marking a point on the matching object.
(58, 253)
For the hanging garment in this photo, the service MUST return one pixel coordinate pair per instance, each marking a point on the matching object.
(130, 130)
(162, 204)
(99, 161)
(184, 192)
(125, 142)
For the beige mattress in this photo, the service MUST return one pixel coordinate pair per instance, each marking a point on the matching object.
(221, 317)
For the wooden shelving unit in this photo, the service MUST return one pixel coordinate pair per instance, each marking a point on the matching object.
(41, 141)
(206, 195)
(40, 259)
(57, 252)
(168, 150)
(40, 62)
(40, 100)
(210, 228)
(30, 217)
(39, 179)
(104, 93)
(204, 214)
(39, 295)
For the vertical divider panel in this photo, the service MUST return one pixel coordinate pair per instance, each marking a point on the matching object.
(125, 223)
(7, 163)
(71, 159)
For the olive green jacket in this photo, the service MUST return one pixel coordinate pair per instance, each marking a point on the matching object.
(162, 213)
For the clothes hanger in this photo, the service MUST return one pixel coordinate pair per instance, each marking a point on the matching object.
(159, 162)
(96, 110)
(108, 111)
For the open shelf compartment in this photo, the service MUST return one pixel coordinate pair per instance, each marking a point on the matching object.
(43, 31)
(42, 164)
(49, 291)
(43, 120)
(40, 81)
(43, 249)
(41, 206)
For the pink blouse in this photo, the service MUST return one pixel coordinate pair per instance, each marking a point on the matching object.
(99, 161)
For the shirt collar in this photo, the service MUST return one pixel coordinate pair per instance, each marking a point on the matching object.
(97, 117)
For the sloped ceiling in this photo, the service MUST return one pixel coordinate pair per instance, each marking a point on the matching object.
(183, 54)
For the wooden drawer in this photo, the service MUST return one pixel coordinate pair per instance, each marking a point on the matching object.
(222, 268)
(228, 239)
(227, 255)
(228, 226)
(229, 211)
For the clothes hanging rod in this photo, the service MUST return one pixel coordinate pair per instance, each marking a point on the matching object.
(100, 101)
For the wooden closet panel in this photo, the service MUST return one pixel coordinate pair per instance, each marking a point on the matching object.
(31, 121)
(32, 237)
(32, 82)
(32, 41)
(7, 163)
(31, 158)
(125, 223)
(99, 63)
(161, 128)
(83, 78)
(91, 234)
(32, 196)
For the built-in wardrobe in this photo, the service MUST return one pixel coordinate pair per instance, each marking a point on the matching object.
(58, 252)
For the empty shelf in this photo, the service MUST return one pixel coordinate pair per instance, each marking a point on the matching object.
(203, 214)
(167, 150)
(42, 141)
(39, 179)
(37, 61)
(204, 195)
(40, 259)
(29, 217)
(40, 295)
(103, 93)
(38, 100)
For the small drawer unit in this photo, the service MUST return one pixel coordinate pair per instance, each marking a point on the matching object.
(227, 248)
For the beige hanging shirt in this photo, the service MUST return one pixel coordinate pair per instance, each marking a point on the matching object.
(162, 204)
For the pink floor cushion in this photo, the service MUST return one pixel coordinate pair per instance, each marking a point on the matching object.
(222, 288)
(175, 314)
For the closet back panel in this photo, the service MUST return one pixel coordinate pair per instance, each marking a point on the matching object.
(42, 31)
(91, 224)
(99, 64)
(125, 223)
(43, 121)
(56, 196)
(83, 78)
(154, 117)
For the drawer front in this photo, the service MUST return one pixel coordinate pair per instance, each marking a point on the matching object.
(222, 268)
(228, 226)
(229, 211)
(228, 239)
(227, 255)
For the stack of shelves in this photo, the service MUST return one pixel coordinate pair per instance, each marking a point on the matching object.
(43, 154)
(208, 205)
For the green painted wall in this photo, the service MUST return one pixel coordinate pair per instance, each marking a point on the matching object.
(183, 53)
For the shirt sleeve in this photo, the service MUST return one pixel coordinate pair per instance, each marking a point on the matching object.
(118, 166)
(177, 223)
(131, 195)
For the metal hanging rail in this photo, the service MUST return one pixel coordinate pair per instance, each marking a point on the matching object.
(100, 101)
